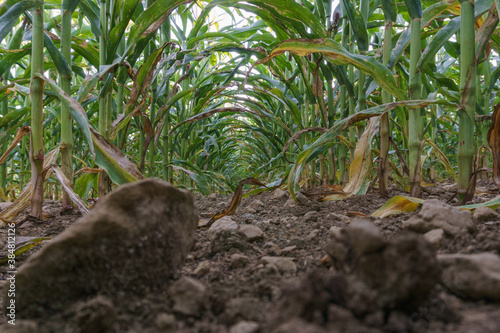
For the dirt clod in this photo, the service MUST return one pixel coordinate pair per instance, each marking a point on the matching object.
(140, 232)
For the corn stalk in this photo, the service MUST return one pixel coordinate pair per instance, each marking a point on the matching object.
(414, 124)
(36, 94)
(466, 114)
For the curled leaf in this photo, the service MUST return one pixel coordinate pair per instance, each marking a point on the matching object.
(398, 205)
(69, 190)
(21, 131)
(235, 202)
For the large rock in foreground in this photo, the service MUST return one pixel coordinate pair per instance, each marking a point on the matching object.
(474, 276)
(133, 241)
(401, 272)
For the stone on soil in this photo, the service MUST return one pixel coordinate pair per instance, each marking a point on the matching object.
(435, 237)
(189, 296)
(475, 276)
(245, 327)
(243, 309)
(297, 325)
(311, 216)
(364, 237)
(202, 268)
(485, 214)
(256, 205)
(134, 240)
(223, 224)
(279, 194)
(251, 232)
(227, 241)
(290, 203)
(302, 199)
(337, 217)
(401, 271)
(239, 260)
(284, 265)
(436, 214)
(165, 321)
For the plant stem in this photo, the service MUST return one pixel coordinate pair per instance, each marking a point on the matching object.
(36, 94)
(384, 121)
(468, 91)
(66, 120)
(3, 168)
(414, 123)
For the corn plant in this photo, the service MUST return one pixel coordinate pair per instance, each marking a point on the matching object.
(289, 92)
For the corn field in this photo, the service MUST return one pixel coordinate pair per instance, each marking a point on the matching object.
(343, 96)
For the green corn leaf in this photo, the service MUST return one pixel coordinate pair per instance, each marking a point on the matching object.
(69, 5)
(60, 62)
(9, 19)
(12, 58)
(277, 14)
(150, 20)
(338, 55)
(119, 168)
(358, 25)
(390, 10)
(116, 34)
(438, 41)
(414, 8)
(322, 143)
(91, 12)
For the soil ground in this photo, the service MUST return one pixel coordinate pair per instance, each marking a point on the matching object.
(251, 290)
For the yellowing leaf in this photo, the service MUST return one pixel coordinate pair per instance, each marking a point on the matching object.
(361, 166)
(398, 205)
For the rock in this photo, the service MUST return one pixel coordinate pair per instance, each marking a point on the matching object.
(436, 214)
(302, 199)
(364, 237)
(202, 268)
(238, 260)
(95, 315)
(279, 194)
(476, 321)
(226, 241)
(290, 203)
(213, 196)
(245, 327)
(141, 231)
(474, 276)
(251, 232)
(297, 325)
(273, 250)
(284, 265)
(288, 249)
(435, 237)
(256, 205)
(243, 309)
(337, 217)
(224, 223)
(189, 296)
(221, 206)
(312, 235)
(485, 214)
(311, 216)
(401, 272)
(335, 232)
(165, 321)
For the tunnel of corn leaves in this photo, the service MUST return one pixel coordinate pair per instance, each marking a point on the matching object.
(348, 95)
